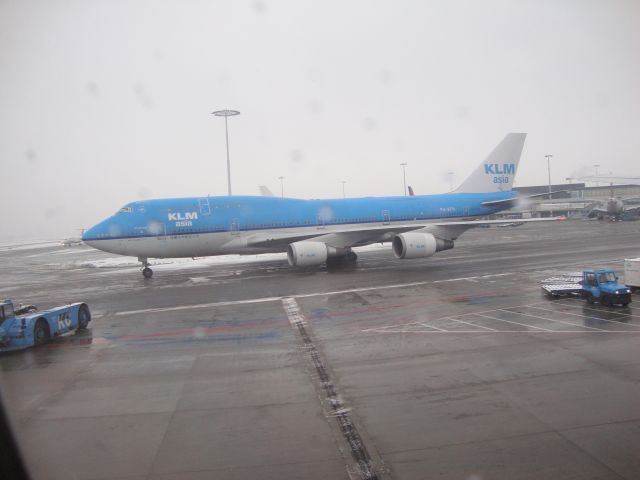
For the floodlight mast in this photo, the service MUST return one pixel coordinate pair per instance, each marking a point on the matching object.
(549, 173)
(404, 178)
(227, 113)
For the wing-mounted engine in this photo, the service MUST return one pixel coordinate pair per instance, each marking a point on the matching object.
(308, 253)
(418, 245)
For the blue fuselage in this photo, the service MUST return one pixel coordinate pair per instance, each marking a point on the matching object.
(185, 216)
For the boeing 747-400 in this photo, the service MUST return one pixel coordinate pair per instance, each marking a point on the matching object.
(311, 232)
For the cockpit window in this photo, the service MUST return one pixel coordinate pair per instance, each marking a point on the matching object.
(606, 277)
(6, 311)
(125, 210)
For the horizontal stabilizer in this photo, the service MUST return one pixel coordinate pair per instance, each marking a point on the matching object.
(514, 201)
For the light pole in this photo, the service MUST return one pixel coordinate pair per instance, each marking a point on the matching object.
(450, 181)
(404, 177)
(596, 167)
(549, 172)
(281, 186)
(343, 182)
(225, 114)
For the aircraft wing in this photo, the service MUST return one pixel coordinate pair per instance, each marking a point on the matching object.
(599, 210)
(383, 233)
(632, 208)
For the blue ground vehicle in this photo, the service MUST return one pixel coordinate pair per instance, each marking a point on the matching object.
(600, 286)
(23, 328)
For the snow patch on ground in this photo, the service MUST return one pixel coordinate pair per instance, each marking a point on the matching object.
(170, 263)
(5, 247)
(181, 263)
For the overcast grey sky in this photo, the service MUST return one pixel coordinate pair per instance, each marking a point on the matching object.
(105, 102)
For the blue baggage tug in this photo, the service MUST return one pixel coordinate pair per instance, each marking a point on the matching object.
(601, 286)
(26, 327)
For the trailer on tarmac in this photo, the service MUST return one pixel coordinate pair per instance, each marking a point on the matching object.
(632, 273)
(563, 285)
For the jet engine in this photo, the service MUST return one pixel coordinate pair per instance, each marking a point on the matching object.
(418, 245)
(307, 253)
(304, 254)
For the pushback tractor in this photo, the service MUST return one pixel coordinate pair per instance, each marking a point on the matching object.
(26, 327)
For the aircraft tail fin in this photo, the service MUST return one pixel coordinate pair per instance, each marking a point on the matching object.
(265, 192)
(497, 172)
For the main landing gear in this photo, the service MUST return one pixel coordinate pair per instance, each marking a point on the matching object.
(343, 262)
(146, 271)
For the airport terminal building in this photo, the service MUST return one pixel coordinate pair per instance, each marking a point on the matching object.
(570, 191)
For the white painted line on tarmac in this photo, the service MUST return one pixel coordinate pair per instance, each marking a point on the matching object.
(431, 326)
(472, 324)
(585, 316)
(200, 305)
(525, 332)
(398, 285)
(552, 320)
(567, 304)
(515, 323)
(293, 312)
(303, 295)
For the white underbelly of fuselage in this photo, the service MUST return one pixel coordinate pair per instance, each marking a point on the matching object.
(175, 246)
(215, 243)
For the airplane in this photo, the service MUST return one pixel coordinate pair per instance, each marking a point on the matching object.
(613, 207)
(312, 232)
(71, 241)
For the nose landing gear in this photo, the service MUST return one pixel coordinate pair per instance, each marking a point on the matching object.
(146, 271)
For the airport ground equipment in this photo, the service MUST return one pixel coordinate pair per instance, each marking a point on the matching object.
(563, 285)
(599, 285)
(632, 273)
(21, 329)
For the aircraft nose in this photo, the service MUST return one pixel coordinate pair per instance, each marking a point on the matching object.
(109, 227)
(90, 235)
(101, 231)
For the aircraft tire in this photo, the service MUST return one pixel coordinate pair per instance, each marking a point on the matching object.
(147, 272)
(84, 316)
(41, 332)
(335, 264)
(342, 263)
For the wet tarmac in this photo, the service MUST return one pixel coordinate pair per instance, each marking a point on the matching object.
(452, 367)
